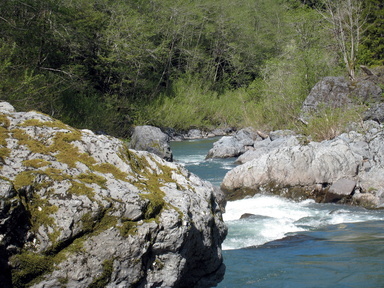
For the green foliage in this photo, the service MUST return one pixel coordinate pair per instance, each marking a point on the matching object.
(372, 49)
(105, 65)
(329, 123)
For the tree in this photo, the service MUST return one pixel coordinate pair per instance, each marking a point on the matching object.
(346, 21)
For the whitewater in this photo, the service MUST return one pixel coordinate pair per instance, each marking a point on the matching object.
(285, 243)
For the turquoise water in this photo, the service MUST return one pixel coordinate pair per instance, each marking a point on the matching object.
(292, 244)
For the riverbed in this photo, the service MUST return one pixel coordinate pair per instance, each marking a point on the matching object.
(291, 244)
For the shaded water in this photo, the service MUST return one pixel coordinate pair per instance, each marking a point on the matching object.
(292, 244)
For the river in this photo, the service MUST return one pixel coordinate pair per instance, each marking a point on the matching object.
(291, 244)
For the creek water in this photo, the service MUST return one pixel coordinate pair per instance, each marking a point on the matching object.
(288, 243)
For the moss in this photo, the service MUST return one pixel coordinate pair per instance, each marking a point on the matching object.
(29, 267)
(40, 210)
(24, 178)
(109, 168)
(3, 136)
(33, 145)
(105, 276)
(79, 188)
(38, 123)
(4, 152)
(91, 178)
(4, 121)
(101, 221)
(127, 228)
(36, 163)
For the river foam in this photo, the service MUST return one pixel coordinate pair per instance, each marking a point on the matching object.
(276, 217)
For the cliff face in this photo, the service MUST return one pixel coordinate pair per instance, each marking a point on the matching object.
(82, 210)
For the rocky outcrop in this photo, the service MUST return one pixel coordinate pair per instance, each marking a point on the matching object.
(82, 210)
(318, 170)
(336, 92)
(375, 112)
(270, 144)
(233, 146)
(151, 139)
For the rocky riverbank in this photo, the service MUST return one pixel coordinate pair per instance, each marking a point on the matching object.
(346, 169)
(82, 210)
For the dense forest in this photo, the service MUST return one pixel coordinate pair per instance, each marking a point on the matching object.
(110, 64)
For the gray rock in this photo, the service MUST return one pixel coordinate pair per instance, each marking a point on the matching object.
(79, 209)
(330, 91)
(194, 134)
(267, 146)
(151, 139)
(376, 113)
(233, 146)
(317, 170)
(340, 189)
(336, 92)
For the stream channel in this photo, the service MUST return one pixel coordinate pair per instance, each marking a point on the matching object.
(291, 244)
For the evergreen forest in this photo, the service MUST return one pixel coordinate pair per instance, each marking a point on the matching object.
(108, 65)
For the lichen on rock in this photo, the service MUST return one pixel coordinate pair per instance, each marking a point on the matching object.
(93, 213)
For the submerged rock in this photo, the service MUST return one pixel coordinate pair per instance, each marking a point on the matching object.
(82, 210)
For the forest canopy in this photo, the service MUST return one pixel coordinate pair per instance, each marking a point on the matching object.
(107, 65)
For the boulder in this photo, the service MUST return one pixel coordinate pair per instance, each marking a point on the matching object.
(330, 91)
(267, 146)
(336, 92)
(376, 113)
(340, 189)
(151, 139)
(82, 210)
(233, 146)
(344, 170)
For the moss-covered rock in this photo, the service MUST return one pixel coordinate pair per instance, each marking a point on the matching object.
(95, 213)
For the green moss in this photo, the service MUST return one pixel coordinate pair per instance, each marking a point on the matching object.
(36, 163)
(92, 178)
(38, 123)
(94, 224)
(109, 168)
(3, 136)
(79, 188)
(24, 178)
(29, 267)
(33, 145)
(105, 277)
(4, 152)
(127, 227)
(4, 121)
(40, 210)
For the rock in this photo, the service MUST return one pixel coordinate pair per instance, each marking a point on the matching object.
(366, 91)
(376, 113)
(82, 210)
(330, 91)
(254, 216)
(267, 146)
(194, 134)
(151, 139)
(233, 146)
(326, 171)
(336, 92)
(340, 189)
